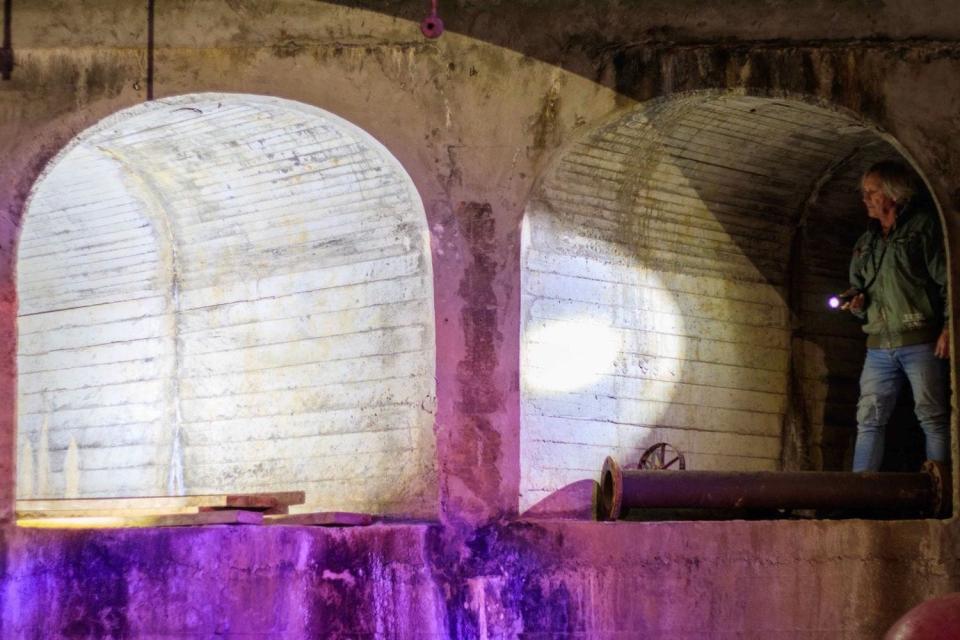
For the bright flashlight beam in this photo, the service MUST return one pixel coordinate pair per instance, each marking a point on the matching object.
(566, 355)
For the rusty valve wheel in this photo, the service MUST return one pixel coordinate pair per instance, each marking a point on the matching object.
(662, 455)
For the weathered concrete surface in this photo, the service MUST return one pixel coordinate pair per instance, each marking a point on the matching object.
(431, 127)
(262, 582)
(533, 26)
(656, 297)
(670, 579)
(475, 125)
(239, 299)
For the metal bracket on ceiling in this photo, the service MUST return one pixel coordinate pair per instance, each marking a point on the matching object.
(432, 25)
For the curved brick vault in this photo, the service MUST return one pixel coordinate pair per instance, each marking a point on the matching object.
(224, 293)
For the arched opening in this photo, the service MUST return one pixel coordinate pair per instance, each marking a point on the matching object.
(227, 293)
(675, 268)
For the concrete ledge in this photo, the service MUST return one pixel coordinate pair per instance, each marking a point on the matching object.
(810, 579)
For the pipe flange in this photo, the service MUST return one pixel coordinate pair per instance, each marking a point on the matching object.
(611, 490)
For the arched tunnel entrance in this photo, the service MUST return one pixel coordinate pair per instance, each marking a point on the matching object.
(227, 293)
(675, 268)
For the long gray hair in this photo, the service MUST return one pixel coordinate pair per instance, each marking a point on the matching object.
(896, 180)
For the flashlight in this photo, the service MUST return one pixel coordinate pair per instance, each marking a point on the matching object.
(840, 299)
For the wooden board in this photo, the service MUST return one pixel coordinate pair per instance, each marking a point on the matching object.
(156, 505)
(225, 516)
(24, 514)
(324, 519)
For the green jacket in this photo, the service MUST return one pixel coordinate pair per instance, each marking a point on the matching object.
(904, 279)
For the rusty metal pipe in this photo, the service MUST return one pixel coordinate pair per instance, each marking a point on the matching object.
(623, 489)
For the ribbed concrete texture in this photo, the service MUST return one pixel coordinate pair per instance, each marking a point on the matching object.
(224, 293)
(658, 276)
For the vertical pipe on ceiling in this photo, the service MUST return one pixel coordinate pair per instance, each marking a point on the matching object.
(150, 46)
(6, 53)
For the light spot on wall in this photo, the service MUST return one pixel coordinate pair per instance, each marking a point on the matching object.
(568, 355)
(675, 227)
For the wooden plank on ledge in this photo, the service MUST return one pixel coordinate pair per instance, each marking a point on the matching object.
(256, 500)
(104, 513)
(165, 504)
(323, 519)
(225, 516)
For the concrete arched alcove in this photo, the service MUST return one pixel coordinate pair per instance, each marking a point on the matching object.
(675, 267)
(227, 293)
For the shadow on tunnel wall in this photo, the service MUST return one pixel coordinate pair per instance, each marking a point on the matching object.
(781, 177)
(697, 240)
(759, 165)
(647, 50)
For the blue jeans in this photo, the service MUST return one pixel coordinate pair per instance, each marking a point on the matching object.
(883, 374)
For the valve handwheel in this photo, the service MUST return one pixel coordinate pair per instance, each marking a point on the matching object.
(662, 455)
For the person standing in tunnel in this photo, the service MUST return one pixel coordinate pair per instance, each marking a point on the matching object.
(899, 282)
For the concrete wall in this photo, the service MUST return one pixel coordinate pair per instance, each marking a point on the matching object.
(239, 298)
(479, 119)
(96, 345)
(658, 286)
(571, 580)
(476, 127)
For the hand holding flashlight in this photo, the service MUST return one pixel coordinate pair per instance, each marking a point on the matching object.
(850, 300)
